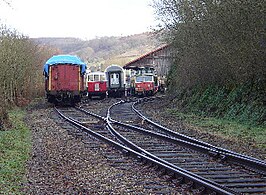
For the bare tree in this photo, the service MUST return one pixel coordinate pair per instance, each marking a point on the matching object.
(21, 63)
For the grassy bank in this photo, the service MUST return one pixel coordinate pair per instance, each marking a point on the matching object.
(237, 111)
(14, 152)
(225, 128)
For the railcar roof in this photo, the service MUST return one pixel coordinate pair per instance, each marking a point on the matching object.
(64, 59)
(114, 67)
(97, 72)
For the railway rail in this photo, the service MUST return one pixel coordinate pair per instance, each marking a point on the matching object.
(196, 165)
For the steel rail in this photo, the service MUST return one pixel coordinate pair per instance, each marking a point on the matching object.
(225, 158)
(133, 146)
(247, 161)
(138, 149)
(185, 175)
(91, 113)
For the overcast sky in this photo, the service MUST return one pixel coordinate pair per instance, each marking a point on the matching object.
(85, 19)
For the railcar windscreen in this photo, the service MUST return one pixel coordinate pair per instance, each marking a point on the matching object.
(144, 78)
(148, 78)
(96, 77)
(140, 79)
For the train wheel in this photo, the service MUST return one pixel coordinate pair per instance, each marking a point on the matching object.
(77, 99)
(50, 98)
(103, 96)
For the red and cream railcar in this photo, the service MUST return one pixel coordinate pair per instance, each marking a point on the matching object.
(96, 84)
(146, 84)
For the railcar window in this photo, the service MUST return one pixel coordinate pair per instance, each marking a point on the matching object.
(90, 78)
(96, 77)
(114, 79)
(102, 77)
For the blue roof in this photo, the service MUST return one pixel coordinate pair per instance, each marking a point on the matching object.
(64, 59)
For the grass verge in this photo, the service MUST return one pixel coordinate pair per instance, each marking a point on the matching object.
(225, 128)
(14, 152)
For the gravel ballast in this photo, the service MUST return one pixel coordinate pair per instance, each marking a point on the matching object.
(62, 163)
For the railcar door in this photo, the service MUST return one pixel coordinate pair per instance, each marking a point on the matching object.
(65, 78)
(115, 80)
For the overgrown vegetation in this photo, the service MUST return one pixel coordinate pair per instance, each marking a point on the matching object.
(244, 103)
(14, 152)
(219, 68)
(21, 64)
(216, 42)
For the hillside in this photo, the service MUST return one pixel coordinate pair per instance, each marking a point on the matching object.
(104, 50)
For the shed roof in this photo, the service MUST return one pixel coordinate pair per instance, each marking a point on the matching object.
(130, 65)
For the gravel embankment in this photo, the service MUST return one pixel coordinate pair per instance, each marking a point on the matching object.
(64, 164)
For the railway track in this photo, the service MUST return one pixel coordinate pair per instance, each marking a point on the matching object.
(89, 128)
(197, 166)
